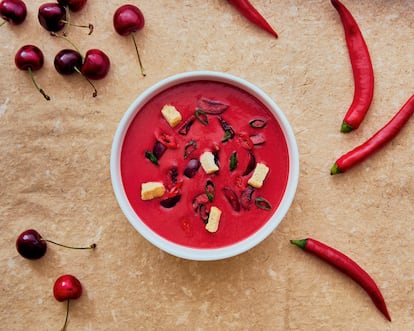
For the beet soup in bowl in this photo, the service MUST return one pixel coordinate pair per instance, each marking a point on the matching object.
(204, 165)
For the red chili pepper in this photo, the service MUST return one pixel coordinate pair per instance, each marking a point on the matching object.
(377, 141)
(349, 267)
(361, 67)
(250, 12)
(166, 139)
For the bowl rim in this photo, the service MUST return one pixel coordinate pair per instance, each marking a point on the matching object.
(203, 254)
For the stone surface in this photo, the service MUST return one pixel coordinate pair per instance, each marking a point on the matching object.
(55, 173)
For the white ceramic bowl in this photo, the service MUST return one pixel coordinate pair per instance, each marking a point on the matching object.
(184, 251)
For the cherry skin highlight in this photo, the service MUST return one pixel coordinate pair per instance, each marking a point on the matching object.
(30, 58)
(96, 64)
(13, 11)
(52, 16)
(30, 245)
(127, 20)
(73, 5)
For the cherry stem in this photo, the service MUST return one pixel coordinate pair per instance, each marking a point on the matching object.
(2, 23)
(71, 247)
(95, 92)
(67, 316)
(89, 26)
(139, 58)
(67, 24)
(36, 85)
(54, 34)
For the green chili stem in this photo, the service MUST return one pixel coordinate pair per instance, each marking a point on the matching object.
(233, 161)
(262, 203)
(201, 116)
(150, 156)
(210, 190)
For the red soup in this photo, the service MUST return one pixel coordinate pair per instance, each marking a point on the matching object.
(214, 147)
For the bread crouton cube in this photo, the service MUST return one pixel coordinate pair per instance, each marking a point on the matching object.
(258, 176)
(152, 190)
(171, 115)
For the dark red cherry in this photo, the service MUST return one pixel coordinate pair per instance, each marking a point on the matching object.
(30, 58)
(95, 64)
(30, 245)
(127, 20)
(52, 16)
(13, 11)
(67, 61)
(66, 288)
(73, 5)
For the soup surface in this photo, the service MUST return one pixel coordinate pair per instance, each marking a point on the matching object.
(233, 126)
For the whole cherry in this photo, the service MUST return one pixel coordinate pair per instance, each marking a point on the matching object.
(13, 11)
(69, 61)
(95, 65)
(127, 20)
(52, 16)
(30, 58)
(31, 245)
(73, 5)
(66, 288)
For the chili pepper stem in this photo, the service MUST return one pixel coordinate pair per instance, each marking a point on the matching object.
(299, 242)
(335, 169)
(346, 128)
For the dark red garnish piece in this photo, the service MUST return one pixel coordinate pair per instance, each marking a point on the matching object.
(211, 106)
(251, 164)
(228, 130)
(158, 149)
(246, 197)
(232, 198)
(185, 127)
(257, 139)
(171, 201)
(191, 168)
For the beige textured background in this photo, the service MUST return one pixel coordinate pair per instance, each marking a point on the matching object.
(54, 173)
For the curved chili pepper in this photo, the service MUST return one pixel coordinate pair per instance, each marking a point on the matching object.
(250, 12)
(361, 67)
(349, 267)
(377, 141)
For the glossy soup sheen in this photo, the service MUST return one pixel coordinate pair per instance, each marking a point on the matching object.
(181, 224)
